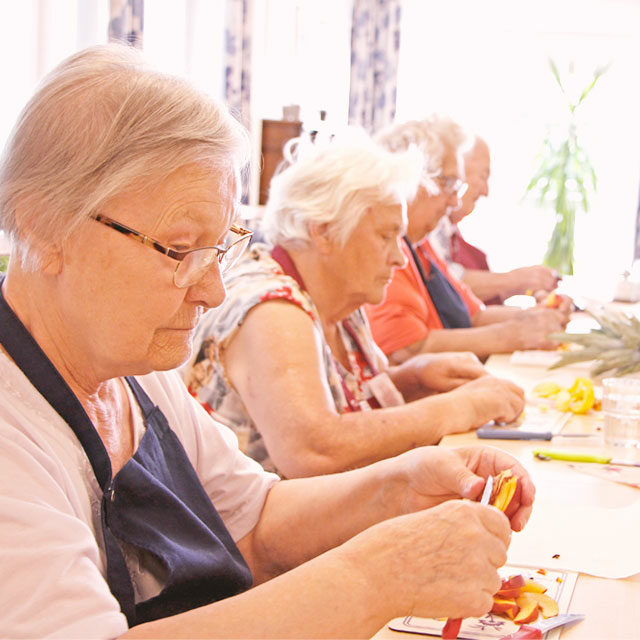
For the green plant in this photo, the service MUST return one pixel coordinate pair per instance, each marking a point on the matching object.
(4, 261)
(565, 177)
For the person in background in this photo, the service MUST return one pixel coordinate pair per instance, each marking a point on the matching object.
(469, 263)
(296, 366)
(125, 510)
(425, 308)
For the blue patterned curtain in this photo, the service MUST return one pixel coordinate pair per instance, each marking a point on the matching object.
(375, 45)
(126, 18)
(238, 33)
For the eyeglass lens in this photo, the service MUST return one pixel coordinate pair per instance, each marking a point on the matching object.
(198, 262)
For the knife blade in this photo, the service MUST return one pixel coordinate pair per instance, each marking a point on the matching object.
(488, 488)
(537, 630)
(543, 454)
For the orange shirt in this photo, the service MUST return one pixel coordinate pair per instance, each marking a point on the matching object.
(407, 313)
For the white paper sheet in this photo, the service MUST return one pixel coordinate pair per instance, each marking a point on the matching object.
(591, 524)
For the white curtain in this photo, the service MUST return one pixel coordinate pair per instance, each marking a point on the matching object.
(126, 19)
(375, 45)
(238, 36)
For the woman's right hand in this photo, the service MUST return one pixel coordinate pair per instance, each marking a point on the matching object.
(438, 562)
(532, 328)
(489, 398)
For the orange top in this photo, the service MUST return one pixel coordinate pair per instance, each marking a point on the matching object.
(407, 313)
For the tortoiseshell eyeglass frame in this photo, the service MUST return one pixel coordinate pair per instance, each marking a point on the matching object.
(180, 256)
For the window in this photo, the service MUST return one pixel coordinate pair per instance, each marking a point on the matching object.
(485, 64)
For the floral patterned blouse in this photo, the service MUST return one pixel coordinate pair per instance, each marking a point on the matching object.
(258, 277)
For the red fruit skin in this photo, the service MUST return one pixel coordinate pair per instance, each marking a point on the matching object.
(451, 628)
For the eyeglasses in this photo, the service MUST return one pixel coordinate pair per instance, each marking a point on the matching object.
(451, 185)
(193, 264)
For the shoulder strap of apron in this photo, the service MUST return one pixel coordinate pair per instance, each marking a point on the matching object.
(450, 306)
(35, 364)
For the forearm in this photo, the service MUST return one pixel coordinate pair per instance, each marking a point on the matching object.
(488, 284)
(495, 313)
(305, 602)
(297, 522)
(483, 341)
(322, 442)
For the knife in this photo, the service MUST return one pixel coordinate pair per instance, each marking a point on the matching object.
(538, 629)
(452, 625)
(543, 454)
(499, 433)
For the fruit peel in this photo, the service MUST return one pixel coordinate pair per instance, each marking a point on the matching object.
(506, 492)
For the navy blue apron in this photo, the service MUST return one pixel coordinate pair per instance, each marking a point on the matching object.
(450, 306)
(155, 502)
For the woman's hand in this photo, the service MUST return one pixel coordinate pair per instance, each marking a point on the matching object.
(433, 563)
(429, 373)
(432, 475)
(487, 398)
(446, 371)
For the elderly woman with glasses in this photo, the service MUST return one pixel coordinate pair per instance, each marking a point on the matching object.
(125, 510)
(425, 308)
(297, 374)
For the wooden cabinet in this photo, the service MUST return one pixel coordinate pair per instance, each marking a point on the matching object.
(275, 134)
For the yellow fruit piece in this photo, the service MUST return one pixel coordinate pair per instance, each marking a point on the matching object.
(546, 389)
(563, 400)
(582, 396)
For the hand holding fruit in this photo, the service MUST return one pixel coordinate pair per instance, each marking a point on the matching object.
(414, 562)
(533, 327)
(535, 278)
(436, 474)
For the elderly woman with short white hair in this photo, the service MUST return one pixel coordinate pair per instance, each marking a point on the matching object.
(426, 309)
(297, 373)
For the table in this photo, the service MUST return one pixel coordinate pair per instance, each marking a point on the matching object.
(612, 606)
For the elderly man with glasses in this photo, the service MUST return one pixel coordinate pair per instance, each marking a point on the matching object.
(426, 308)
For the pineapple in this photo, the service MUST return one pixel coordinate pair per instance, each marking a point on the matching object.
(615, 346)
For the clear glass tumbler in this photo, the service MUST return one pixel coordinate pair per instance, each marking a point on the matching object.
(621, 410)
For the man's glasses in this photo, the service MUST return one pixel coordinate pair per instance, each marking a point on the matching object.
(193, 264)
(451, 185)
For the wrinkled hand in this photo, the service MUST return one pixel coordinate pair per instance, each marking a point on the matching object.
(436, 474)
(438, 562)
(564, 303)
(445, 371)
(489, 398)
(535, 278)
(533, 326)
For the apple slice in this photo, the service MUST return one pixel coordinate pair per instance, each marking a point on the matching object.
(505, 605)
(533, 587)
(514, 582)
(529, 610)
(506, 492)
(548, 606)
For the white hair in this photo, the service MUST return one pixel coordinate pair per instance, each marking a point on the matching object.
(100, 122)
(335, 183)
(436, 136)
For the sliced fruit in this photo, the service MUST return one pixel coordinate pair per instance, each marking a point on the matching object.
(534, 587)
(506, 492)
(546, 389)
(529, 609)
(548, 606)
(505, 605)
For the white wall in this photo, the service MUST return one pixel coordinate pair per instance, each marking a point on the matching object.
(485, 64)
